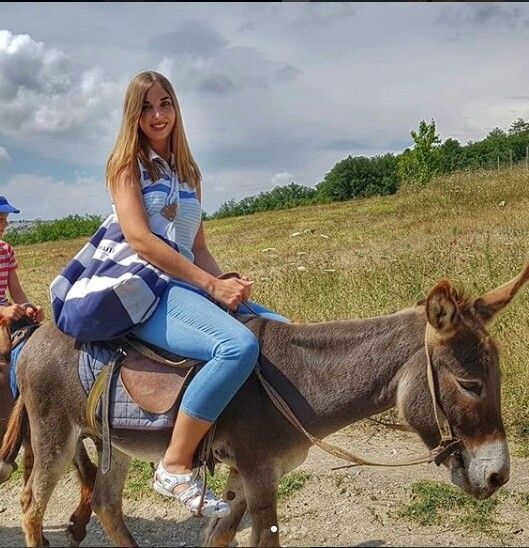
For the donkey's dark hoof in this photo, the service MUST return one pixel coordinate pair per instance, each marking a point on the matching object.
(6, 470)
(75, 535)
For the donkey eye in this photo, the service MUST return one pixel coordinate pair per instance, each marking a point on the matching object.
(473, 387)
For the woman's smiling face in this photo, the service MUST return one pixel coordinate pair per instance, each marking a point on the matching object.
(158, 117)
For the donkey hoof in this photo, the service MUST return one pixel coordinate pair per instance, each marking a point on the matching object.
(6, 470)
(73, 539)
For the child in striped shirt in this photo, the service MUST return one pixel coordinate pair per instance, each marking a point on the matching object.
(9, 279)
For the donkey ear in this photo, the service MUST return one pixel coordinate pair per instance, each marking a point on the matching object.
(488, 306)
(441, 309)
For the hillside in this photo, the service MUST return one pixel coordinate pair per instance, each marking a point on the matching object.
(373, 256)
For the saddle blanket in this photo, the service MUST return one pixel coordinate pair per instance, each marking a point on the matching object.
(124, 412)
(15, 353)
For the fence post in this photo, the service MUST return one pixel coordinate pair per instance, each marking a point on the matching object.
(527, 158)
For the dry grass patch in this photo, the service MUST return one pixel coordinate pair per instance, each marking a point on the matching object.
(376, 256)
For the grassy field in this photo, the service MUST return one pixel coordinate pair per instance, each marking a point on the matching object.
(373, 256)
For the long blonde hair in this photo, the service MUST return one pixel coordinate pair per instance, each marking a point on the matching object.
(132, 144)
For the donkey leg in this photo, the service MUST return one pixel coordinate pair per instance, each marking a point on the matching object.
(221, 531)
(28, 461)
(260, 486)
(52, 451)
(86, 472)
(107, 499)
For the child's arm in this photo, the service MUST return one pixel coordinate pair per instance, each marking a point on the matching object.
(19, 297)
(15, 289)
(12, 312)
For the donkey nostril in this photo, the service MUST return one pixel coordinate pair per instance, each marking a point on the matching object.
(496, 480)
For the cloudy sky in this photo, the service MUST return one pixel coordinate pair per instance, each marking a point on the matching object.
(270, 92)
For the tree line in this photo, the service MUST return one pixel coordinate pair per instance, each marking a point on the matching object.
(362, 176)
(352, 177)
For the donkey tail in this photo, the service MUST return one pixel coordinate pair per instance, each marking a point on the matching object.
(17, 431)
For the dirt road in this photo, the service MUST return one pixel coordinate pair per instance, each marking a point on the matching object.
(352, 507)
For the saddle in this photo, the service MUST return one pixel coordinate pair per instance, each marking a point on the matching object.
(21, 331)
(154, 379)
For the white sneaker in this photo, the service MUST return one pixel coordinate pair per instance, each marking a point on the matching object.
(165, 483)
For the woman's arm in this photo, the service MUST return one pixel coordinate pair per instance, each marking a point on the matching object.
(203, 257)
(134, 223)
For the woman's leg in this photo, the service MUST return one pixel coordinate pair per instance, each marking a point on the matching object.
(188, 324)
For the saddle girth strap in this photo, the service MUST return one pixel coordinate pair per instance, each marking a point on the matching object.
(101, 390)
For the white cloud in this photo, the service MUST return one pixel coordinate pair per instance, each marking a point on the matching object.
(27, 64)
(4, 156)
(46, 198)
(265, 88)
(42, 95)
(283, 178)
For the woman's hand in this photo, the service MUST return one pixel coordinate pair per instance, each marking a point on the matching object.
(231, 292)
(248, 287)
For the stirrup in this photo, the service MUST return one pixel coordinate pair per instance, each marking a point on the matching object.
(165, 482)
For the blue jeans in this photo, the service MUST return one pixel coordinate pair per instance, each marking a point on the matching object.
(188, 324)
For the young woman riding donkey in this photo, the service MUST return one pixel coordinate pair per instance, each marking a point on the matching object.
(331, 374)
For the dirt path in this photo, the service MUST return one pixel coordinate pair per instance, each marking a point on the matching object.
(352, 507)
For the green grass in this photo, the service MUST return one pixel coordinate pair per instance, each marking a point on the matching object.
(140, 477)
(437, 503)
(523, 498)
(372, 256)
(139, 480)
(291, 483)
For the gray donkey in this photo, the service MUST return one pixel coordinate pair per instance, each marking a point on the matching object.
(331, 373)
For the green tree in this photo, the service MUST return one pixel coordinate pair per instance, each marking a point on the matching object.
(359, 176)
(450, 156)
(519, 126)
(280, 197)
(420, 164)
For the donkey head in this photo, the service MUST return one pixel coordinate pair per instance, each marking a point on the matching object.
(466, 370)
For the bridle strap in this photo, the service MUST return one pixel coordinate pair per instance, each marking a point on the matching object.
(285, 410)
(440, 418)
(446, 447)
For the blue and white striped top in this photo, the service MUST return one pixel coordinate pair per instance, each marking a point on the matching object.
(107, 288)
(167, 190)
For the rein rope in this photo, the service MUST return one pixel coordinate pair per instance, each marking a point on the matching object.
(448, 445)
